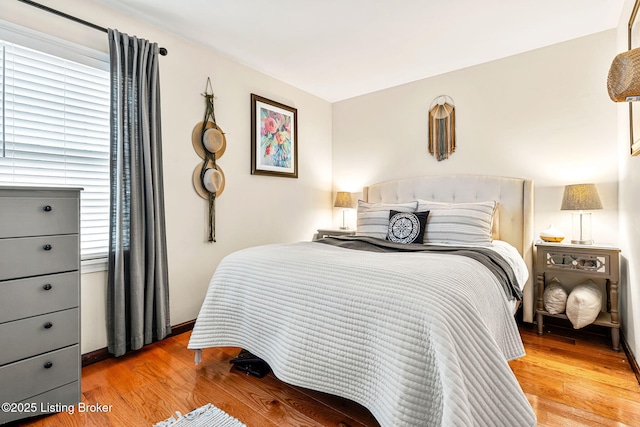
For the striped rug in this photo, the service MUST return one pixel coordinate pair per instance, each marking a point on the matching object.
(205, 416)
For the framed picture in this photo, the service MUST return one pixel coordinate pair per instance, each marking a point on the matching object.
(274, 138)
(634, 110)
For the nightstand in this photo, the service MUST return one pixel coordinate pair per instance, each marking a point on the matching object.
(328, 232)
(572, 264)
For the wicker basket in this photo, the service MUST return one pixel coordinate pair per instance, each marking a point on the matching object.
(623, 81)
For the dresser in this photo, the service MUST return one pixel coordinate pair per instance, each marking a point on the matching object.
(39, 300)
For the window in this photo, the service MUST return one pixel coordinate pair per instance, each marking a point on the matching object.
(54, 130)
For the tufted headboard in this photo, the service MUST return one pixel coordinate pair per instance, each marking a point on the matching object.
(514, 213)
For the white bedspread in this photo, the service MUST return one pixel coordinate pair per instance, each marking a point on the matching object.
(419, 339)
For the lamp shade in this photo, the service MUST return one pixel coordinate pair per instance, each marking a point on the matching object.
(343, 200)
(580, 197)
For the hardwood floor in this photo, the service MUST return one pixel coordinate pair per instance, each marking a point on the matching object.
(570, 380)
(574, 378)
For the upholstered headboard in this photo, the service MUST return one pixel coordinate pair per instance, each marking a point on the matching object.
(514, 213)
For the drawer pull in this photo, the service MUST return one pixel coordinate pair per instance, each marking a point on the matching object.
(47, 287)
(48, 365)
(47, 247)
(47, 208)
(48, 325)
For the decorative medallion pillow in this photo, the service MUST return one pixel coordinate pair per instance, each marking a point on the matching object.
(373, 218)
(407, 227)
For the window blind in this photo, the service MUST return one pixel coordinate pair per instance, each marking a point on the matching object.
(54, 121)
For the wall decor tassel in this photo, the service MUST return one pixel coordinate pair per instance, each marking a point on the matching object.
(209, 142)
(442, 127)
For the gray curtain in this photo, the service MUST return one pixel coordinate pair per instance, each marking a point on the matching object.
(138, 288)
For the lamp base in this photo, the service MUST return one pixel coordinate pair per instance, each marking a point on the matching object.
(582, 242)
(581, 228)
(343, 228)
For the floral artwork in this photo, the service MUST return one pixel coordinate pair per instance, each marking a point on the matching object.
(275, 138)
(274, 141)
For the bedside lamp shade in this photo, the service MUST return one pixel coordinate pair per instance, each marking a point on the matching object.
(345, 201)
(580, 198)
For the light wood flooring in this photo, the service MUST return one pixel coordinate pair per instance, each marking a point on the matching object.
(569, 379)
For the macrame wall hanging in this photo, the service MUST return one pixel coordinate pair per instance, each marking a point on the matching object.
(210, 144)
(442, 127)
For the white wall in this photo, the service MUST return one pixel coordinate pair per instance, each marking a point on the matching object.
(252, 210)
(629, 206)
(544, 115)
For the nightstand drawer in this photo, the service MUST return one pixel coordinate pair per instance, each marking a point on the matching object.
(597, 264)
(39, 374)
(31, 216)
(33, 256)
(36, 335)
(38, 295)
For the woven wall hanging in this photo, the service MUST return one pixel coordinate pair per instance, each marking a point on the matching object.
(442, 127)
(210, 143)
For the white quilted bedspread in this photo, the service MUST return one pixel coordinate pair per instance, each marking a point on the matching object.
(420, 339)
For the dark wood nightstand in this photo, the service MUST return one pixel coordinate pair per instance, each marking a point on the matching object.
(580, 262)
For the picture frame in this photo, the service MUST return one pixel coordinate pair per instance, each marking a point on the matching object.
(274, 138)
(634, 119)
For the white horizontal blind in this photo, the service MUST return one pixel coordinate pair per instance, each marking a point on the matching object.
(55, 131)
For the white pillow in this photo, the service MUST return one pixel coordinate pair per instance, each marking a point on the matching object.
(373, 218)
(459, 223)
(584, 304)
(555, 297)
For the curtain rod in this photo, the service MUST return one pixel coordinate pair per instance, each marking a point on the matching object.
(161, 50)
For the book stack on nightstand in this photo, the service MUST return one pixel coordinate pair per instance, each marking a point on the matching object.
(328, 232)
(574, 263)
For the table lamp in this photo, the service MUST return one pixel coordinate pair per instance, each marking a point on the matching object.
(581, 198)
(345, 201)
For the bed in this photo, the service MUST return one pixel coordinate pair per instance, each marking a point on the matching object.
(420, 334)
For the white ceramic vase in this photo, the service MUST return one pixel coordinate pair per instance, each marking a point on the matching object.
(552, 234)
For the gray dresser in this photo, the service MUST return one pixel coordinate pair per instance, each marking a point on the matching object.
(39, 300)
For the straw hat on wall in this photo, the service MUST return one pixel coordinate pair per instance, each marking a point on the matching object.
(213, 140)
(213, 181)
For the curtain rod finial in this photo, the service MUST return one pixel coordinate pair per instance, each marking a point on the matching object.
(163, 51)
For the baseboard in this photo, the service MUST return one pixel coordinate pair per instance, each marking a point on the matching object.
(182, 328)
(631, 358)
(103, 354)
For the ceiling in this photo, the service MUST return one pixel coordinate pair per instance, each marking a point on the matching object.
(338, 49)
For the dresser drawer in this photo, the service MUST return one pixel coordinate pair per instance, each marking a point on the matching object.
(35, 335)
(30, 216)
(68, 395)
(39, 374)
(28, 256)
(38, 295)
